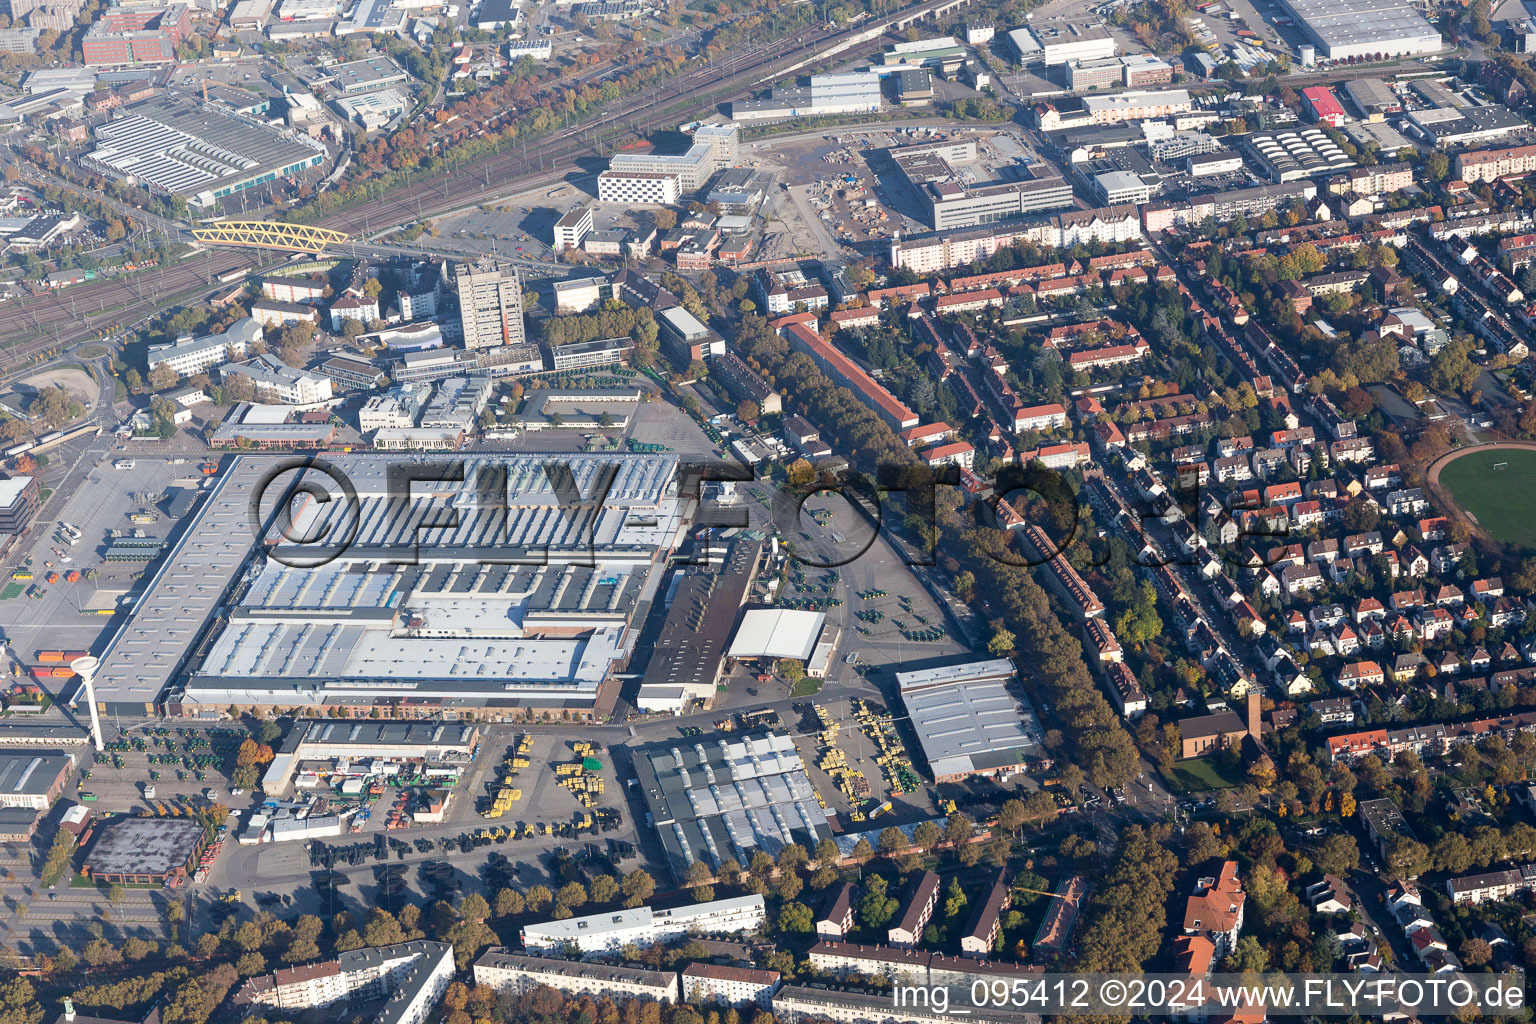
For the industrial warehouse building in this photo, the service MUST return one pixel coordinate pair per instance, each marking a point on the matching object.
(176, 147)
(717, 797)
(33, 780)
(968, 721)
(852, 92)
(448, 744)
(776, 634)
(1364, 28)
(145, 851)
(688, 656)
(515, 612)
(1061, 43)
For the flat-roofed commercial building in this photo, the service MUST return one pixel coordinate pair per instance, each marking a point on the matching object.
(514, 608)
(145, 851)
(968, 721)
(656, 188)
(20, 499)
(715, 147)
(578, 355)
(506, 971)
(189, 355)
(572, 228)
(1343, 29)
(686, 339)
(953, 200)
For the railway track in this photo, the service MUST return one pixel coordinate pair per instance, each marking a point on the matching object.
(37, 323)
(510, 171)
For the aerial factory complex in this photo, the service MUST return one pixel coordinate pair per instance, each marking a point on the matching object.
(601, 512)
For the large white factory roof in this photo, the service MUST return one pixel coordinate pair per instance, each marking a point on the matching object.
(1346, 28)
(966, 719)
(777, 633)
(486, 612)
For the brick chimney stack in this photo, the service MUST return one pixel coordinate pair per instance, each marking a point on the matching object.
(1253, 714)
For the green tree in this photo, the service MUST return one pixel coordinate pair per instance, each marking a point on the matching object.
(60, 857)
(508, 902)
(605, 889)
(876, 907)
(538, 898)
(571, 895)
(637, 887)
(1248, 955)
(796, 919)
(475, 908)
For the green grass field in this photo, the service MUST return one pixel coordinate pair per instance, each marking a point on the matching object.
(1502, 500)
(1197, 775)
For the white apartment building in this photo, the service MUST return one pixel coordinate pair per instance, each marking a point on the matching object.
(505, 971)
(796, 1005)
(417, 987)
(572, 228)
(845, 958)
(293, 289)
(277, 382)
(413, 975)
(644, 927)
(353, 307)
(1493, 164)
(638, 187)
(190, 355)
(732, 986)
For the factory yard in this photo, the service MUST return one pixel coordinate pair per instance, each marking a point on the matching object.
(77, 615)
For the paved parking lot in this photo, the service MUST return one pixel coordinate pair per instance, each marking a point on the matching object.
(60, 618)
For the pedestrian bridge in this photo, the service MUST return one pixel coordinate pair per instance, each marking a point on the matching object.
(262, 234)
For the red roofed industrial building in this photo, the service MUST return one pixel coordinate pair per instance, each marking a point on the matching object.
(1325, 106)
